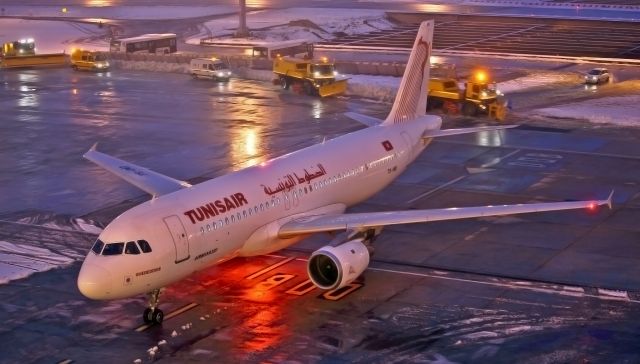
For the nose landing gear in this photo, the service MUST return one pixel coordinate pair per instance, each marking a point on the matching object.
(152, 314)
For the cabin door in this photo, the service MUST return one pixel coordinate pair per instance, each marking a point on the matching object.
(179, 235)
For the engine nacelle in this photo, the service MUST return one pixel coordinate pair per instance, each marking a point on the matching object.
(332, 267)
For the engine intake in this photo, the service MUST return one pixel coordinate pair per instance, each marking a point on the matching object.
(332, 267)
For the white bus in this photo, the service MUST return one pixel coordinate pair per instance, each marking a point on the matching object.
(146, 43)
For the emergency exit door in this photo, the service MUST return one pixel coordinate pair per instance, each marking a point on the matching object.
(179, 235)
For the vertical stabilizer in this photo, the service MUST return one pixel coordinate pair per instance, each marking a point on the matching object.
(411, 100)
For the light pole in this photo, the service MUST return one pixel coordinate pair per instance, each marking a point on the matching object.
(242, 31)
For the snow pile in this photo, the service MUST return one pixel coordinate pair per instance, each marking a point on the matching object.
(119, 12)
(539, 79)
(313, 24)
(151, 66)
(380, 88)
(622, 110)
(20, 261)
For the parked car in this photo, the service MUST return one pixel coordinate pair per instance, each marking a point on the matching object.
(597, 75)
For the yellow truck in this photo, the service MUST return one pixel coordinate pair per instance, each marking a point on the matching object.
(479, 96)
(314, 77)
(88, 61)
(22, 53)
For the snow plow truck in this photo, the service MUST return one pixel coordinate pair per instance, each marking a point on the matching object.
(314, 77)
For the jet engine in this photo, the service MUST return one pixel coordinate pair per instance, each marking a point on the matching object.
(333, 267)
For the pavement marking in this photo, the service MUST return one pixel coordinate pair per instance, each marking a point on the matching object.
(66, 361)
(437, 189)
(270, 268)
(183, 309)
(564, 292)
(499, 159)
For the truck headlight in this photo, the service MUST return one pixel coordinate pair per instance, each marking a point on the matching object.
(316, 74)
(220, 74)
(335, 73)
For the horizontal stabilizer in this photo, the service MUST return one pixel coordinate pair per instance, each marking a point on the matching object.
(145, 179)
(368, 220)
(446, 132)
(363, 119)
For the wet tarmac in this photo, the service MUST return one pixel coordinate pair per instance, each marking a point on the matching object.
(553, 287)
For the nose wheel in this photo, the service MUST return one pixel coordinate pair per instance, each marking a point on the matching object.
(152, 314)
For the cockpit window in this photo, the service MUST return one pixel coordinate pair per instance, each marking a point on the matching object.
(113, 249)
(131, 248)
(144, 246)
(97, 247)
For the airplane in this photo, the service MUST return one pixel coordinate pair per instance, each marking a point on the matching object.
(264, 208)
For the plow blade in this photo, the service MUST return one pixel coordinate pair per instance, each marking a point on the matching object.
(41, 60)
(334, 88)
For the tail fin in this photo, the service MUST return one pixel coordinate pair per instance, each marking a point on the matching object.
(411, 100)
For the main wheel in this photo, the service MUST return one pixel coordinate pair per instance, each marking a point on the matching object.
(158, 316)
(308, 88)
(147, 316)
(469, 109)
(284, 82)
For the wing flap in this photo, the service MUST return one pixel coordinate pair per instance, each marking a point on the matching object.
(367, 220)
(145, 179)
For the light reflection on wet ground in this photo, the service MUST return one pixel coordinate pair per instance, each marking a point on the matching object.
(173, 124)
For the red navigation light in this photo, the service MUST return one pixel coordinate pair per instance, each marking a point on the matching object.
(592, 207)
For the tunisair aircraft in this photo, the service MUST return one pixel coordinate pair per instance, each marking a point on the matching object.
(268, 207)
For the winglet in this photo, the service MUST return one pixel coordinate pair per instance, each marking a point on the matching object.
(94, 147)
(610, 199)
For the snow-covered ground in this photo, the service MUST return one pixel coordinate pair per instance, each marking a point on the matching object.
(274, 25)
(537, 79)
(19, 261)
(119, 12)
(622, 110)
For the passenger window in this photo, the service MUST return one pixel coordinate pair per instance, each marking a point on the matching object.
(220, 223)
(131, 248)
(239, 216)
(226, 220)
(113, 249)
(202, 230)
(208, 227)
(146, 248)
(244, 214)
(255, 208)
(233, 218)
(97, 247)
(261, 207)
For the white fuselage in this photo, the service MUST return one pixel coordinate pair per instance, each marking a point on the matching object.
(239, 214)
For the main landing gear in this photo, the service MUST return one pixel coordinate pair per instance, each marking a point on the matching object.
(153, 314)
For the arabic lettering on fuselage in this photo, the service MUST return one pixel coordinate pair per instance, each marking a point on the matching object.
(217, 207)
(292, 179)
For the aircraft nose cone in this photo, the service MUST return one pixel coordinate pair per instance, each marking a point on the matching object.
(94, 282)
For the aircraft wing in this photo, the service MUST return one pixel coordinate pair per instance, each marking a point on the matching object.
(145, 179)
(446, 132)
(363, 119)
(368, 220)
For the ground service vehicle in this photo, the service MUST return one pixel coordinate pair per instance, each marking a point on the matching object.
(479, 96)
(312, 76)
(597, 75)
(212, 68)
(88, 60)
(22, 53)
(146, 43)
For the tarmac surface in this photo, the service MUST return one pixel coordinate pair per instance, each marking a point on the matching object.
(551, 287)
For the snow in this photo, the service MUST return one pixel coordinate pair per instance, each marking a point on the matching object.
(274, 25)
(20, 261)
(119, 12)
(538, 79)
(621, 110)
(380, 88)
